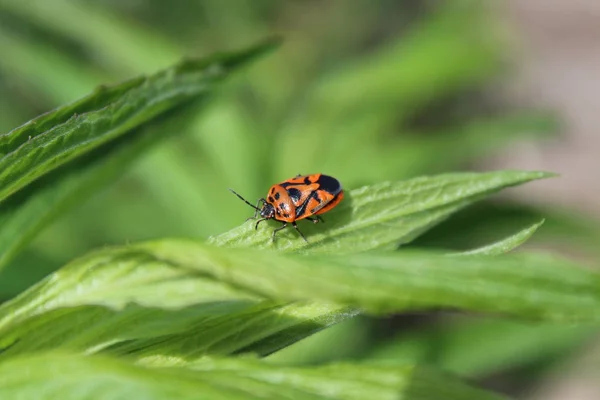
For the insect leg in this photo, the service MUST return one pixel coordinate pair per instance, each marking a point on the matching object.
(257, 210)
(315, 219)
(258, 222)
(278, 229)
(301, 234)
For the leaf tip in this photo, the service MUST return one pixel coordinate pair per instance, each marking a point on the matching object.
(259, 49)
(527, 176)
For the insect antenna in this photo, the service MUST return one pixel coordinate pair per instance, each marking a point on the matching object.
(244, 200)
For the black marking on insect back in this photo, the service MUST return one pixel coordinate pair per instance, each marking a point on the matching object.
(322, 204)
(302, 209)
(307, 180)
(277, 196)
(315, 195)
(271, 191)
(286, 184)
(329, 184)
(295, 194)
(271, 200)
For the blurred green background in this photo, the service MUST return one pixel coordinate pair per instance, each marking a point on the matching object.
(363, 90)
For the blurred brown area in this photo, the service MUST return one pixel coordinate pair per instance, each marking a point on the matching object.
(557, 57)
(559, 67)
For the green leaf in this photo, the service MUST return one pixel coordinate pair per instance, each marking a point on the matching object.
(61, 78)
(56, 138)
(183, 299)
(449, 148)
(116, 299)
(359, 105)
(111, 127)
(484, 222)
(74, 377)
(508, 244)
(125, 300)
(25, 214)
(411, 70)
(347, 340)
(527, 285)
(131, 47)
(381, 216)
(483, 346)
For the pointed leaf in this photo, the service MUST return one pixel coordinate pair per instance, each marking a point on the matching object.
(381, 216)
(126, 300)
(99, 378)
(528, 285)
(53, 139)
(49, 141)
(25, 214)
(506, 245)
(184, 299)
(479, 347)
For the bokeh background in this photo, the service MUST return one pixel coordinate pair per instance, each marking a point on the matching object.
(365, 90)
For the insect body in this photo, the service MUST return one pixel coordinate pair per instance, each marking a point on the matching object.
(302, 197)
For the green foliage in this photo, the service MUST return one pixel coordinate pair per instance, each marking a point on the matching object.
(134, 115)
(476, 347)
(56, 138)
(182, 318)
(74, 377)
(95, 292)
(508, 244)
(385, 215)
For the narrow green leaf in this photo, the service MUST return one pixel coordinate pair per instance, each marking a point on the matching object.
(449, 148)
(487, 220)
(483, 346)
(348, 340)
(58, 133)
(113, 39)
(426, 152)
(508, 244)
(24, 215)
(59, 79)
(126, 300)
(99, 378)
(448, 49)
(527, 285)
(184, 299)
(380, 216)
(348, 381)
(54, 139)
(127, 290)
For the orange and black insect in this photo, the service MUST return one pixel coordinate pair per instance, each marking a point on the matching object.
(302, 197)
